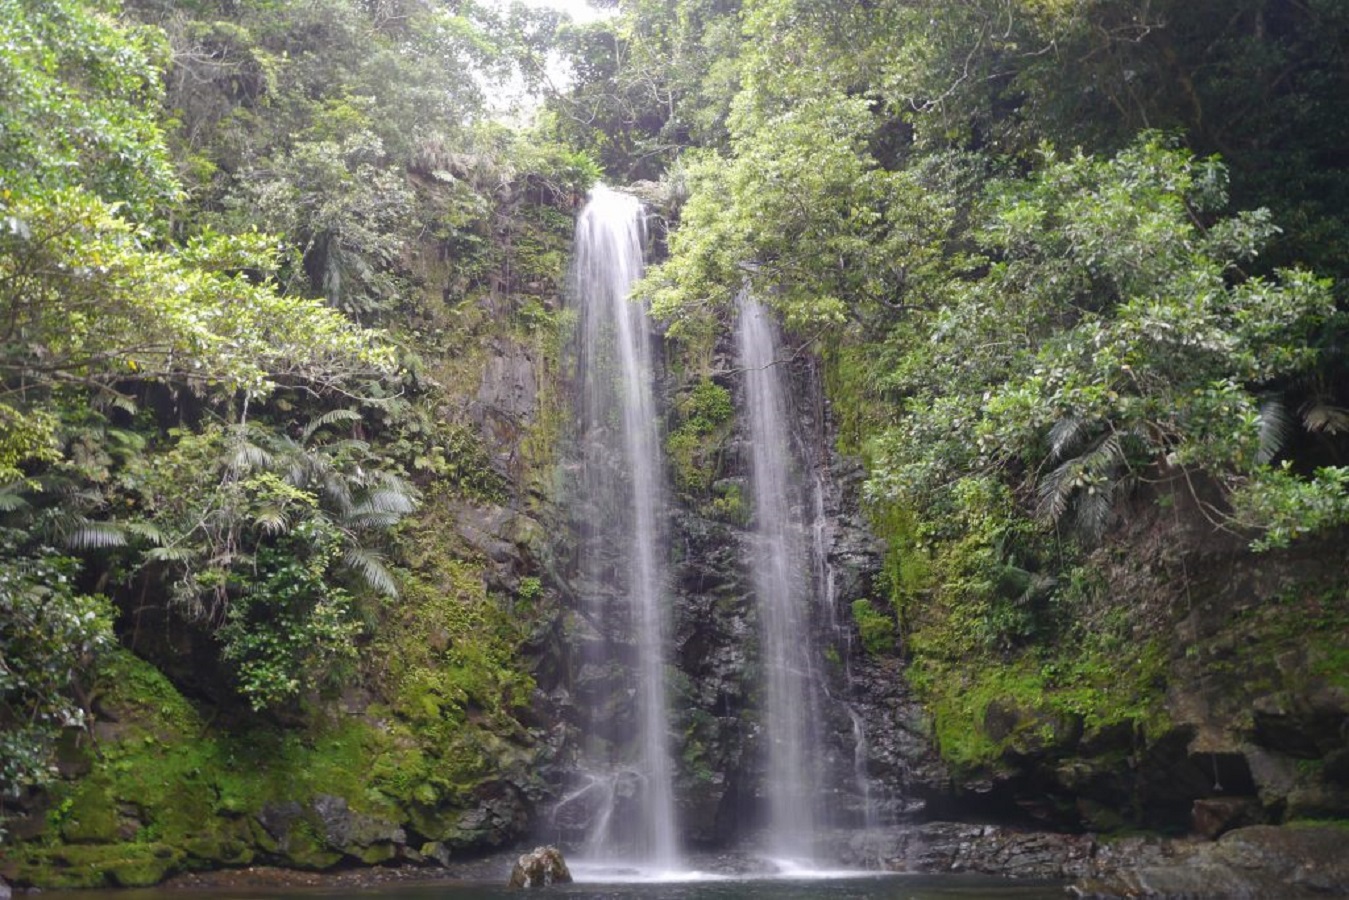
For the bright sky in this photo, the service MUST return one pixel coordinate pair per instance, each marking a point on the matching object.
(510, 99)
(578, 9)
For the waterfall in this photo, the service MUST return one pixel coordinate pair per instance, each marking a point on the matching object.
(781, 581)
(842, 637)
(627, 784)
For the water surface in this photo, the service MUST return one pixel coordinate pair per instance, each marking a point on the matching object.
(860, 887)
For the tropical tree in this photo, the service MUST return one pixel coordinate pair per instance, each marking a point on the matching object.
(107, 325)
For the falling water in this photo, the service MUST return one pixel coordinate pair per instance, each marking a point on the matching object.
(781, 587)
(622, 478)
(842, 636)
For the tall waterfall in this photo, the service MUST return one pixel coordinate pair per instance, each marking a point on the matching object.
(629, 785)
(781, 580)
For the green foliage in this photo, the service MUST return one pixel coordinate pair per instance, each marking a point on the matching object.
(78, 97)
(449, 648)
(264, 550)
(97, 308)
(704, 413)
(189, 789)
(290, 628)
(1289, 507)
(51, 635)
(1016, 336)
(648, 84)
(1109, 334)
(876, 629)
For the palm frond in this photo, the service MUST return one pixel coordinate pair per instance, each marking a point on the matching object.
(1106, 457)
(328, 418)
(272, 520)
(1056, 489)
(1091, 510)
(359, 519)
(1319, 416)
(123, 402)
(387, 499)
(11, 500)
(176, 554)
(1275, 427)
(147, 531)
(89, 535)
(370, 566)
(1086, 485)
(1066, 436)
(245, 456)
(338, 492)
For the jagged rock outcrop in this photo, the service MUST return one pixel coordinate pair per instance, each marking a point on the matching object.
(1261, 861)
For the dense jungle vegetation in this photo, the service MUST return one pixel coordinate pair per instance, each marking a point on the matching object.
(220, 356)
(1061, 257)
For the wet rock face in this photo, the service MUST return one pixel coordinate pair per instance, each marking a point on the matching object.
(715, 648)
(540, 867)
(507, 399)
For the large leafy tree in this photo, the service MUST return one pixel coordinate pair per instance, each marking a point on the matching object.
(1009, 228)
(101, 310)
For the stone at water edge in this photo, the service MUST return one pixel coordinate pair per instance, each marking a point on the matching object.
(539, 867)
(5, 892)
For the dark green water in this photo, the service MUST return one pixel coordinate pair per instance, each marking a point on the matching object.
(879, 887)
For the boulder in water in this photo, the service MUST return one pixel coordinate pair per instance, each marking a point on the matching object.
(540, 866)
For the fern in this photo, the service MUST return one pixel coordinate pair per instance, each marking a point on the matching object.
(370, 566)
(1056, 488)
(178, 554)
(246, 456)
(146, 531)
(1086, 485)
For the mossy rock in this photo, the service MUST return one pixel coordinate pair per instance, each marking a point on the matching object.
(90, 815)
(305, 848)
(375, 854)
(213, 849)
(100, 865)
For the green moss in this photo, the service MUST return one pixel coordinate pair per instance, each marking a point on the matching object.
(182, 793)
(89, 814)
(983, 707)
(853, 375)
(308, 849)
(98, 865)
(1338, 824)
(1285, 643)
(704, 415)
(876, 629)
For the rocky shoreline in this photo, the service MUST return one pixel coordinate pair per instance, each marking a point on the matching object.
(1258, 861)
